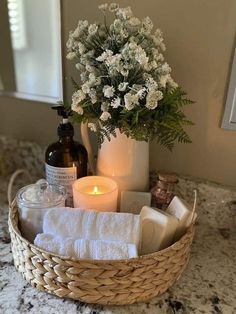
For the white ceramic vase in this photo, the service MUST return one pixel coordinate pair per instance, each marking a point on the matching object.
(126, 161)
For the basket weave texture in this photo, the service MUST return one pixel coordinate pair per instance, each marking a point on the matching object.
(101, 282)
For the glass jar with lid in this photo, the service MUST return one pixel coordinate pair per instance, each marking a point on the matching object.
(33, 202)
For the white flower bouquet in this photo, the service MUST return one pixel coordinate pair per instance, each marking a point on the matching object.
(124, 81)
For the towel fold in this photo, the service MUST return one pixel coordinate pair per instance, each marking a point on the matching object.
(86, 224)
(84, 248)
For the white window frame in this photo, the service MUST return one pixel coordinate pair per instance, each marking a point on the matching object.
(228, 122)
(39, 98)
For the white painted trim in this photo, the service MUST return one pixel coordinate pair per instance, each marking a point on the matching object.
(230, 106)
(32, 97)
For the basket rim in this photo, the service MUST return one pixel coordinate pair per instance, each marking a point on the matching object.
(13, 209)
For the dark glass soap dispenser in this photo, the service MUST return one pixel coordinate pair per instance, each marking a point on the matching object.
(65, 160)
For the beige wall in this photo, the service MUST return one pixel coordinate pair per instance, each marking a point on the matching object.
(200, 39)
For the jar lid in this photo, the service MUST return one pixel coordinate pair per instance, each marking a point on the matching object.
(168, 177)
(41, 195)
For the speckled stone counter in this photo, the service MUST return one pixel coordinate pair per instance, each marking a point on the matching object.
(207, 286)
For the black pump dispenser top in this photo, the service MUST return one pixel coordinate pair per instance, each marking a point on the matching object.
(62, 111)
(65, 128)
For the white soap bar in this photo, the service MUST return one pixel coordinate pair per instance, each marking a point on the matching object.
(133, 202)
(158, 229)
(181, 210)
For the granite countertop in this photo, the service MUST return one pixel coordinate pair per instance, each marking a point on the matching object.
(208, 284)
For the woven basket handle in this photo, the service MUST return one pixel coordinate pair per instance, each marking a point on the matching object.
(193, 216)
(11, 182)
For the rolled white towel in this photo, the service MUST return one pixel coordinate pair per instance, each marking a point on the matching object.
(55, 244)
(86, 249)
(64, 222)
(80, 224)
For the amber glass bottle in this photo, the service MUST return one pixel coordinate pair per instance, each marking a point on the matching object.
(65, 160)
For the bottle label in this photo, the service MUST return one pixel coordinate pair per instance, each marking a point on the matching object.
(63, 176)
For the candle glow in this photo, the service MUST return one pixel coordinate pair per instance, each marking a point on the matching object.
(95, 192)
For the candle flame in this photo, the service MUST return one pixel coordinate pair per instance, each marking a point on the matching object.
(95, 190)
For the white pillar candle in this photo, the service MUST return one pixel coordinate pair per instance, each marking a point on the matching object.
(95, 192)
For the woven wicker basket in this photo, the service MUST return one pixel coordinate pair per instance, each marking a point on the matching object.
(100, 282)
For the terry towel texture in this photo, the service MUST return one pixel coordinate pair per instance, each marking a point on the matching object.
(86, 249)
(85, 224)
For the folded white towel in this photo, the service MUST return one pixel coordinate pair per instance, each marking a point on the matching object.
(85, 224)
(104, 250)
(122, 227)
(86, 249)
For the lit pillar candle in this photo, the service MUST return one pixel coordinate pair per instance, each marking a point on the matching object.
(95, 192)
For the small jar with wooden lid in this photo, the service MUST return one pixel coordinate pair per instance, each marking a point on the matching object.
(164, 191)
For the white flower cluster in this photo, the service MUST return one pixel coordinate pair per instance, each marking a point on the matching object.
(121, 66)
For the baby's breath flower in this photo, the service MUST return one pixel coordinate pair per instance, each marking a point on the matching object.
(113, 7)
(92, 78)
(108, 91)
(152, 99)
(151, 83)
(147, 26)
(116, 102)
(124, 72)
(92, 29)
(141, 93)
(83, 76)
(104, 106)
(77, 109)
(71, 55)
(172, 83)
(117, 25)
(104, 55)
(103, 7)
(122, 86)
(153, 65)
(124, 13)
(79, 67)
(86, 87)
(131, 101)
(134, 21)
(70, 42)
(141, 56)
(76, 32)
(82, 24)
(163, 80)
(105, 116)
(89, 68)
(92, 127)
(98, 81)
(81, 47)
(93, 95)
(165, 68)
(78, 96)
